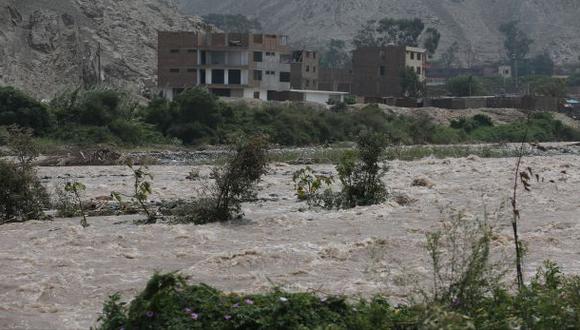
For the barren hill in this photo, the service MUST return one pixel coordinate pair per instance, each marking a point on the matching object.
(48, 45)
(553, 24)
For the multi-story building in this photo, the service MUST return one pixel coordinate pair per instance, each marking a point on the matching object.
(228, 64)
(305, 68)
(377, 70)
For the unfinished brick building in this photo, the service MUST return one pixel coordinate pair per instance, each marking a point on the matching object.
(228, 64)
(304, 70)
(376, 71)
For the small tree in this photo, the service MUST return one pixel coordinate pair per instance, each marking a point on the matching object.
(432, 36)
(22, 196)
(141, 190)
(308, 185)
(411, 85)
(464, 86)
(360, 173)
(75, 188)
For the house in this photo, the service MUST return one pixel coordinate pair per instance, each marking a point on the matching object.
(304, 70)
(332, 79)
(228, 64)
(376, 71)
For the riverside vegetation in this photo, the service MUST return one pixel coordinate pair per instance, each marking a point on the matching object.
(107, 116)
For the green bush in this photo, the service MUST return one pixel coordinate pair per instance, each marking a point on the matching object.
(551, 301)
(17, 108)
(360, 173)
(234, 183)
(100, 115)
(465, 86)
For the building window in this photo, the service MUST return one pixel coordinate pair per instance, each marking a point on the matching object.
(258, 57)
(307, 54)
(285, 77)
(412, 55)
(270, 54)
(258, 75)
(314, 84)
(382, 70)
(307, 82)
(235, 77)
(174, 51)
(174, 70)
(419, 56)
(191, 70)
(419, 70)
(308, 68)
(314, 54)
(217, 76)
(258, 38)
(191, 51)
(256, 95)
(314, 68)
(202, 76)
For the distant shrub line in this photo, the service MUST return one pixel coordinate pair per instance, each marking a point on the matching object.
(196, 116)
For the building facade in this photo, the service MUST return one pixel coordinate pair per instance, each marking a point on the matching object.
(228, 64)
(376, 71)
(305, 70)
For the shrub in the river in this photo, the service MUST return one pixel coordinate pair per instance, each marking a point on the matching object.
(142, 189)
(234, 183)
(22, 196)
(310, 187)
(361, 173)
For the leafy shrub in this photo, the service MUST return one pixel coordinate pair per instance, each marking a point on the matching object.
(100, 115)
(465, 86)
(469, 125)
(22, 196)
(308, 185)
(17, 108)
(360, 173)
(235, 182)
(142, 189)
(168, 302)
(193, 116)
(551, 301)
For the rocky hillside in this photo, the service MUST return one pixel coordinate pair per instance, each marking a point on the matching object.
(49, 45)
(474, 24)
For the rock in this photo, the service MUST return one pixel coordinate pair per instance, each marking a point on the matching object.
(423, 182)
(473, 158)
(403, 199)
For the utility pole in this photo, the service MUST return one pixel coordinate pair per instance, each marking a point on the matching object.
(99, 78)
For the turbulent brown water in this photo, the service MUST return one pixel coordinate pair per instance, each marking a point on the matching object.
(56, 275)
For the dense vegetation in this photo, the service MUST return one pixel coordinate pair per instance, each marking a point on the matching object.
(198, 117)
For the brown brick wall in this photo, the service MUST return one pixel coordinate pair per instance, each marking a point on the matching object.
(176, 51)
(367, 62)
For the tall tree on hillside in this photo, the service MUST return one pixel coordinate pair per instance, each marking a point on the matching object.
(404, 32)
(367, 36)
(516, 44)
(335, 56)
(431, 40)
(449, 57)
(401, 32)
(233, 23)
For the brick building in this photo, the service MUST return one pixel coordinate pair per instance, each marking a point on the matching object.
(305, 69)
(228, 64)
(376, 71)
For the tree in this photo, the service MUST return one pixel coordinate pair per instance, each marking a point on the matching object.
(411, 86)
(17, 108)
(517, 44)
(449, 57)
(431, 40)
(233, 23)
(462, 86)
(542, 65)
(335, 55)
(548, 86)
(401, 32)
(367, 36)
